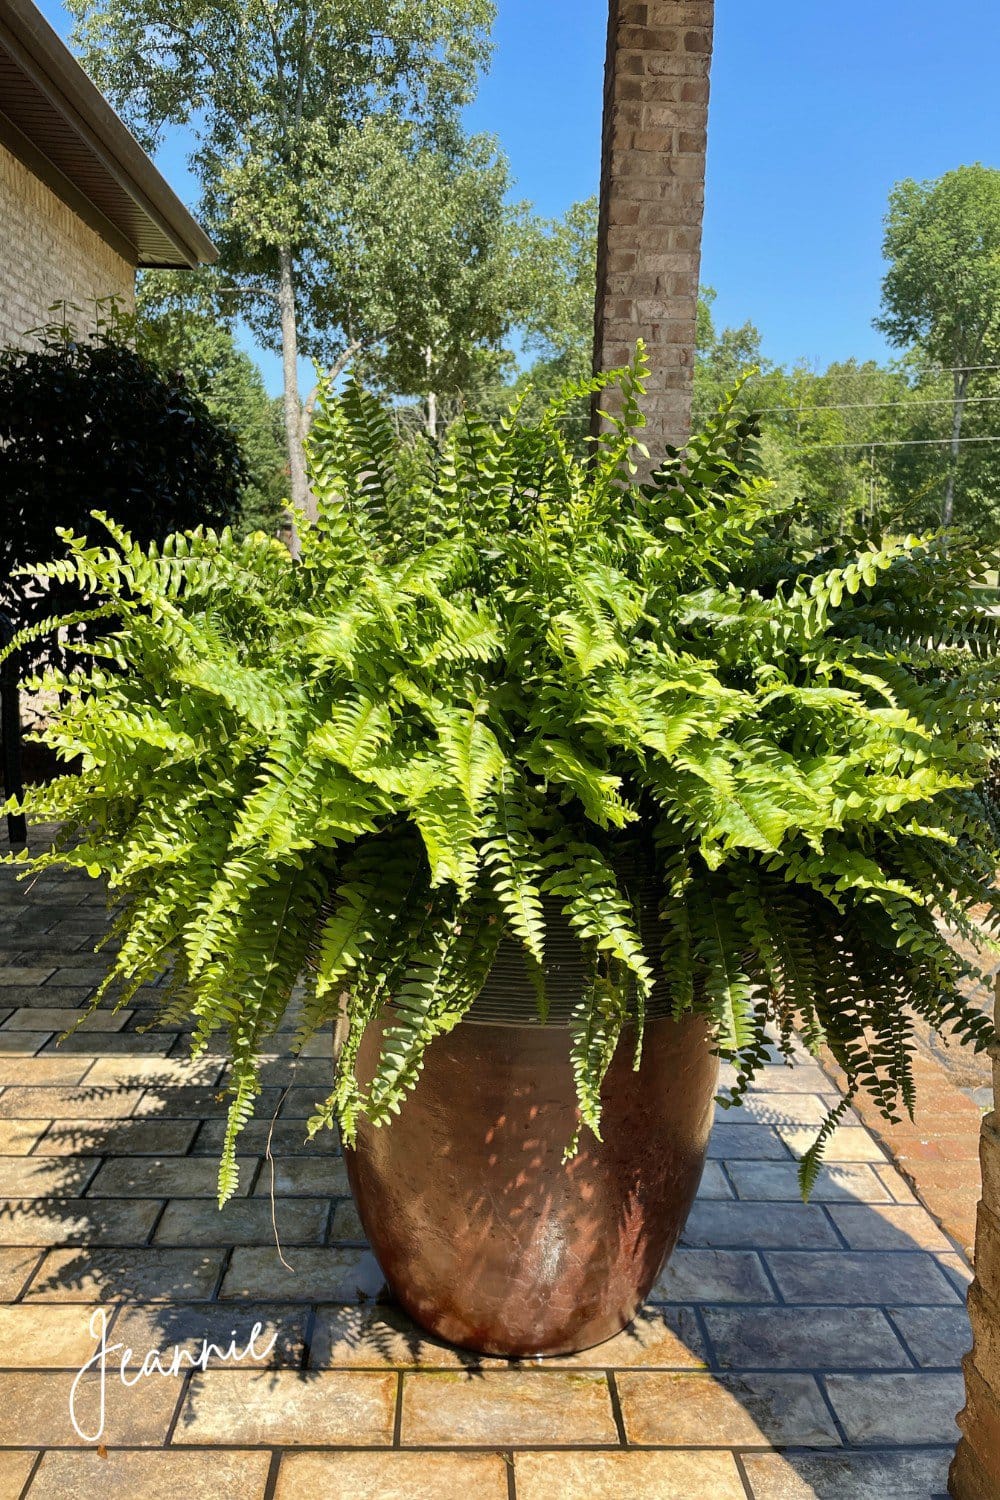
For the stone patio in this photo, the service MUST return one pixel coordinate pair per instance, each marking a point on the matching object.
(788, 1351)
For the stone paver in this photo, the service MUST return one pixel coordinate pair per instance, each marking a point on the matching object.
(393, 1476)
(504, 1409)
(788, 1350)
(628, 1476)
(124, 1476)
(289, 1408)
(662, 1409)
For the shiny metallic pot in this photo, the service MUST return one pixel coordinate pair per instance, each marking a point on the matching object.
(486, 1237)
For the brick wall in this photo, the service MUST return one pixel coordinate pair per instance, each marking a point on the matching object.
(48, 254)
(652, 198)
(975, 1474)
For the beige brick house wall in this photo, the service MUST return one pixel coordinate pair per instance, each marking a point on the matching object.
(48, 254)
(652, 199)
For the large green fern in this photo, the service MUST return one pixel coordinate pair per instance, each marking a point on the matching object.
(490, 678)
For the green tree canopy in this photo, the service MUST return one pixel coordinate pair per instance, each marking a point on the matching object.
(282, 101)
(941, 293)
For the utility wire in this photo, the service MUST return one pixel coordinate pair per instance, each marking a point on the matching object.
(791, 411)
(900, 442)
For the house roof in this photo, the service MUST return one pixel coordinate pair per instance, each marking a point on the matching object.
(54, 119)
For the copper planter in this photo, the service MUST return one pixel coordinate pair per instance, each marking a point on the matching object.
(486, 1238)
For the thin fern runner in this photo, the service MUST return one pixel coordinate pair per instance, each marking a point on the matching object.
(493, 673)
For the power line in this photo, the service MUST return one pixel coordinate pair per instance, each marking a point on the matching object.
(791, 411)
(927, 370)
(900, 442)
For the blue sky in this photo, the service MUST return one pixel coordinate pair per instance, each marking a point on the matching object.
(816, 111)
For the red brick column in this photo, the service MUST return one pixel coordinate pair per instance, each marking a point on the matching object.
(975, 1473)
(652, 198)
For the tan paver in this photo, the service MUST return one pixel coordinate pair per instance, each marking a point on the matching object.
(323, 1408)
(16, 1266)
(872, 1276)
(903, 1408)
(133, 1137)
(40, 1070)
(45, 1177)
(773, 1181)
(332, 1275)
(848, 1476)
(306, 1176)
(897, 1226)
(848, 1143)
(165, 1177)
(393, 1476)
(45, 1337)
(56, 1103)
(14, 1470)
(18, 1137)
(59, 1018)
(164, 1326)
(374, 1337)
(713, 1276)
(143, 1072)
(87, 1275)
(507, 1408)
(797, 1338)
(223, 1475)
(683, 1411)
(34, 1409)
(76, 1221)
(627, 1476)
(244, 1221)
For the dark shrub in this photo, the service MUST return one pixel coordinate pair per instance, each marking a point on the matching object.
(87, 426)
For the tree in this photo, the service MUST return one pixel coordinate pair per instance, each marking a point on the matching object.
(556, 279)
(941, 292)
(428, 251)
(179, 329)
(283, 100)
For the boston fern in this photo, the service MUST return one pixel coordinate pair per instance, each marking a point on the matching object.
(485, 681)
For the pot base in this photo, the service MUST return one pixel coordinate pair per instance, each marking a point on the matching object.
(489, 1240)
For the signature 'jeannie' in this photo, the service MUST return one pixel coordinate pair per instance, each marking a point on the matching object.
(173, 1362)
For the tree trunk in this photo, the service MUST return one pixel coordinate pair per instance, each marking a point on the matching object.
(961, 379)
(300, 497)
(432, 404)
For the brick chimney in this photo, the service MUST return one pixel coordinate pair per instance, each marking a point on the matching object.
(652, 199)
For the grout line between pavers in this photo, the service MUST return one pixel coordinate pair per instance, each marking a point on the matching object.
(711, 1353)
(508, 1457)
(744, 1476)
(271, 1483)
(901, 1336)
(185, 1386)
(825, 1209)
(780, 1449)
(397, 1420)
(616, 1408)
(825, 1396)
(157, 1221)
(29, 1279)
(308, 1334)
(770, 1278)
(31, 1474)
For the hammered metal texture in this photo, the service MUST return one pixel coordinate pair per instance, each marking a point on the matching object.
(486, 1237)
